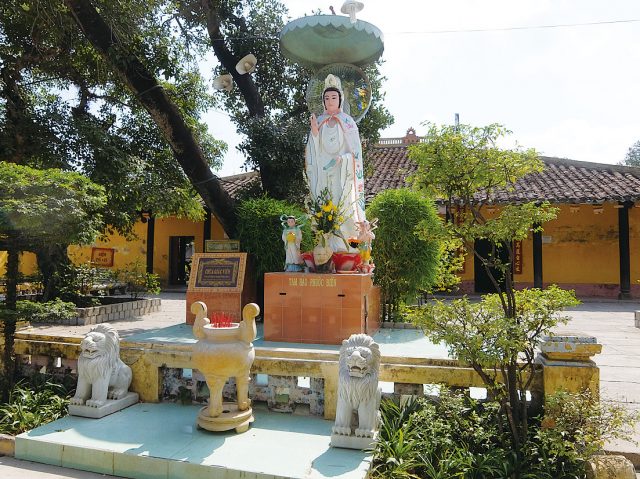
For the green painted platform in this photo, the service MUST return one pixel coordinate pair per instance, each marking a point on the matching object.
(407, 343)
(158, 441)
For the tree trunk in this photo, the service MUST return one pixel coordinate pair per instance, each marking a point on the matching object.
(247, 87)
(164, 112)
(51, 260)
(9, 322)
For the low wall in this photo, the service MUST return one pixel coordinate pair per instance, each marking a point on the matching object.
(161, 370)
(114, 312)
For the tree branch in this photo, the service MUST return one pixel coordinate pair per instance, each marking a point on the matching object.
(162, 109)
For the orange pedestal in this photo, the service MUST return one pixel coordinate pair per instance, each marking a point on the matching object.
(319, 308)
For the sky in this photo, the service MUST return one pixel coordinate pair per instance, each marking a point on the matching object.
(567, 91)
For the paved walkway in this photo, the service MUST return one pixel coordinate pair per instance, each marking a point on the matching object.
(612, 323)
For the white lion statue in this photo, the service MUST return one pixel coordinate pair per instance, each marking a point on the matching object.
(101, 373)
(358, 389)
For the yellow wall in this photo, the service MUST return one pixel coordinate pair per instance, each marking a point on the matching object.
(28, 263)
(579, 247)
(583, 247)
(126, 252)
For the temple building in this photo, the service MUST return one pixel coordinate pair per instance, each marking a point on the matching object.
(593, 246)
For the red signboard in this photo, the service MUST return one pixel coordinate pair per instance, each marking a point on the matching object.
(517, 257)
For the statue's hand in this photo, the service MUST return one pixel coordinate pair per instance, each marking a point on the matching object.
(314, 125)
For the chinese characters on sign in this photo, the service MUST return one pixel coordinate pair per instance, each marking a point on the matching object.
(517, 257)
(221, 246)
(102, 256)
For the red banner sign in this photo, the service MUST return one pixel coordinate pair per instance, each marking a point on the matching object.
(517, 257)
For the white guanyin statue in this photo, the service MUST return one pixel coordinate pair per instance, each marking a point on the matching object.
(333, 160)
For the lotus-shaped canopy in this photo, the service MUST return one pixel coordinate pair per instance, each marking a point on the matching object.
(319, 40)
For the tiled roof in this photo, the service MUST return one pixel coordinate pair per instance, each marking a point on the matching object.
(236, 183)
(561, 181)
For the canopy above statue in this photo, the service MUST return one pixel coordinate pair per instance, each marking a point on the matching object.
(319, 40)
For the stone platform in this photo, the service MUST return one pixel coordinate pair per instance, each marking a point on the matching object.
(159, 441)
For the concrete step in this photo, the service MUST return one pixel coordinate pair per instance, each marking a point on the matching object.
(161, 441)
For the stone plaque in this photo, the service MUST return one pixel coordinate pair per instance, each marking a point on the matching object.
(217, 272)
(221, 246)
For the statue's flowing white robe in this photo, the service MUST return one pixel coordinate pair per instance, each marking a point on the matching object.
(333, 160)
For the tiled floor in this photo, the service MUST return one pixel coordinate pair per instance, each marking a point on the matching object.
(162, 441)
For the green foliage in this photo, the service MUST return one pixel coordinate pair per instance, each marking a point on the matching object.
(77, 114)
(139, 282)
(479, 333)
(407, 246)
(450, 264)
(575, 428)
(260, 231)
(455, 436)
(500, 348)
(29, 408)
(48, 206)
(48, 312)
(632, 158)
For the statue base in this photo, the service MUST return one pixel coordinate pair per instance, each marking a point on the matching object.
(110, 406)
(319, 308)
(230, 418)
(353, 442)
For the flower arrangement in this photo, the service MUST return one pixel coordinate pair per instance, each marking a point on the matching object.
(326, 216)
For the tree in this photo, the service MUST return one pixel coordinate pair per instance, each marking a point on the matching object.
(465, 168)
(106, 133)
(42, 210)
(406, 262)
(268, 106)
(632, 158)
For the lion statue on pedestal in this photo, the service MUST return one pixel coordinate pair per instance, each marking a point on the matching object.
(358, 389)
(101, 373)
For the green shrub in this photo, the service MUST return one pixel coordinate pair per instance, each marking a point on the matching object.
(139, 282)
(455, 436)
(30, 407)
(49, 312)
(406, 258)
(450, 264)
(260, 232)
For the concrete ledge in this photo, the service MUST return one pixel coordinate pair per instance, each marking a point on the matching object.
(7, 445)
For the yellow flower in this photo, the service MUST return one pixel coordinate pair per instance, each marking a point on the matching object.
(340, 219)
(319, 214)
(326, 207)
(330, 218)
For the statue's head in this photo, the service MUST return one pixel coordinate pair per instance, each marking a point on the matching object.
(332, 94)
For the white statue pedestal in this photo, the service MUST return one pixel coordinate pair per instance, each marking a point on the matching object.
(230, 418)
(353, 442)
(110, 406)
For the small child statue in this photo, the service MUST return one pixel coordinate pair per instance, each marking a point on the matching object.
(292, 237)
(365, 239)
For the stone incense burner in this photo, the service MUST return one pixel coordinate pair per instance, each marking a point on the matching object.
(221, 353)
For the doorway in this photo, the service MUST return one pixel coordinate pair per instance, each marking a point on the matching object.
(180, 253)
(485, 248)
